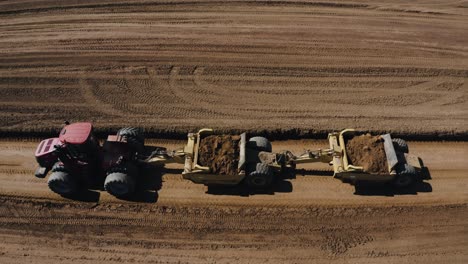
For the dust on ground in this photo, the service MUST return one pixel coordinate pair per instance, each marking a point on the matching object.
(368, 151)
(220, 153)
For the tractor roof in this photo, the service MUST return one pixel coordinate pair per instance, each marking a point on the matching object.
(76, 133)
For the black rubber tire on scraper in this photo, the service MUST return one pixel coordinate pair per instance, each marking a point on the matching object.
(260, 144)
(400, 145)
(260, 178)
(406, 176)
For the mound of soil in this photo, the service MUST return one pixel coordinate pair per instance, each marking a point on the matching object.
(220, 153)
(368, 151)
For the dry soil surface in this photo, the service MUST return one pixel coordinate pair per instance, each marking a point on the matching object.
(295, 66)
(311, 219)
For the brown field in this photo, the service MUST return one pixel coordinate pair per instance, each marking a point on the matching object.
(284, 68)
(301, 66)
(311, 219)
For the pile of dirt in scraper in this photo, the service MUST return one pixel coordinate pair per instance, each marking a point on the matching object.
(220, 153)
(368, 152)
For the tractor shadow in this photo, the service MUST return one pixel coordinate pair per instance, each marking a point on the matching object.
(148, 185)
(149, 182)
(87, 196)
(89, 191)
(279, 186)
(389, 190)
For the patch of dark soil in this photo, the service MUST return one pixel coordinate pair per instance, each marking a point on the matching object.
(368, 151)
(220, 153)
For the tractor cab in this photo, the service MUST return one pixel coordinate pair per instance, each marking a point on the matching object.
(75, 146)
(78, 143)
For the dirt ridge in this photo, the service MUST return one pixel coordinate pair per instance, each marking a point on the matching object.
(273, 134)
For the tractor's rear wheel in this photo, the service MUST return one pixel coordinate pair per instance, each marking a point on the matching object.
(400, 145)
(119, 184)
(61, 182)
(133, 136)
(260, 178)
(406, 176)
(260, 144)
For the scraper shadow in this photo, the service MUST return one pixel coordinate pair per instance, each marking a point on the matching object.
(313, 173)
(389, 190)
(279, 186)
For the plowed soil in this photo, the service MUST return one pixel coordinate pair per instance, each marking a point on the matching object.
(220, 154)
(311, 219)
(368, 151)
(295, 67)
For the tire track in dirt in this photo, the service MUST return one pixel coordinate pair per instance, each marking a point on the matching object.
(454, 98)
(272, 73)
(93, 100)
(216, 95)
(197, 100)
(244, 104)
(157, 85)
(256, 234)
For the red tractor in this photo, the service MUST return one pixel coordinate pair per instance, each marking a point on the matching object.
(78, 161)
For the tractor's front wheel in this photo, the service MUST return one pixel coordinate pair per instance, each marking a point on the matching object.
(61, 182)
(119, 184)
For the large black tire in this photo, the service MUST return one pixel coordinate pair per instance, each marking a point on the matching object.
(133, 136)
(260, 178)
(400, 145)
(406, 176)
(119, 184)
(61, 182)
(260, 144)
